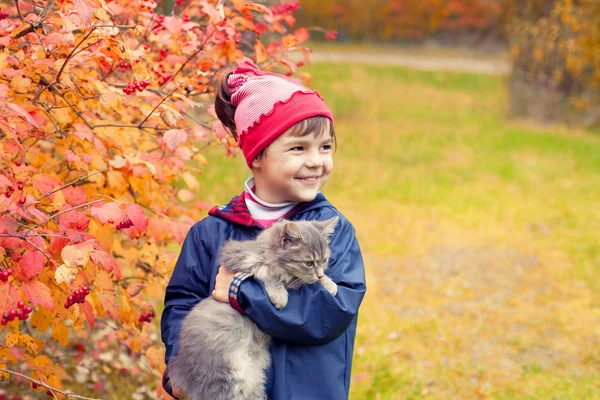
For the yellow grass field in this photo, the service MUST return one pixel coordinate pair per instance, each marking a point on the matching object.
(480, 236)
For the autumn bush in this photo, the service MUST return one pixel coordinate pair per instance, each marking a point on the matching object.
(556, 71)
(104, 113)
(408, 20)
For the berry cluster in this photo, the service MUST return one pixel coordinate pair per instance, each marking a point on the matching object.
(3, 15)
(125, 64)
(124, 224)
(78, 296)
(5, 274)
(286, 8)
(147, 317)
(133, 86)
(160, 20)
(22, 312)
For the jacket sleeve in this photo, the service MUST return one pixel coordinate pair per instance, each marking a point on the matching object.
(313, 316)
(188, 285)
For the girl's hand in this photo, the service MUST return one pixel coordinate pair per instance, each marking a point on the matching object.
(222, 283)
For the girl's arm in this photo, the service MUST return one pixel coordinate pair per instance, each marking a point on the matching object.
(189, 285)
(312, 315)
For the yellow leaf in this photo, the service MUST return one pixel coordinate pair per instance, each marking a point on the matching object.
(191, 181)
(60, 333)
(103, 281)
(117, 181)
(65, 273)
(20, 84)
(74, 255)
(4, 376)
(201, 159)
(41, 319)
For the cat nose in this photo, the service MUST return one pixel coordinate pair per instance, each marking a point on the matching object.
(320, 274)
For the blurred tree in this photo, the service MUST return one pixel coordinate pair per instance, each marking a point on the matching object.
(555, 46)
(405, 19)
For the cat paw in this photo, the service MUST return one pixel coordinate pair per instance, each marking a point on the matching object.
(279, 298)
(329, 285)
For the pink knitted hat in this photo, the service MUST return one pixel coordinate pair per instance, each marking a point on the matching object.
(267, 104)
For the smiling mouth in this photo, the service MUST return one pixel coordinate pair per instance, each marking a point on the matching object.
(309, 178)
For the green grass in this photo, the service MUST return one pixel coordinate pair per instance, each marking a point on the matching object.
(433, 174)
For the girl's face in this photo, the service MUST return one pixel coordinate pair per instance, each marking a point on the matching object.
(293, 168)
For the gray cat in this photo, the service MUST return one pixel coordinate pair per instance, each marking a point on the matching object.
(222, 354)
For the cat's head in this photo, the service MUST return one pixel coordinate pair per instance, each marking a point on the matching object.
(303, 248)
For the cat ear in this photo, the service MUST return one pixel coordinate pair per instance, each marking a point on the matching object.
(328, 226)
(291, 231)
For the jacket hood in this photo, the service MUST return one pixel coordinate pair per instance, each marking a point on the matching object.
(237, 212)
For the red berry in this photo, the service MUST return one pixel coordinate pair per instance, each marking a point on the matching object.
(18, 163)
(4, 321)
(19, 312)
(28, 310)
(22, 200)
(8, 194)
(9, 271)
(12, 313)
(20, 305)
(34, 385)
(11, 189)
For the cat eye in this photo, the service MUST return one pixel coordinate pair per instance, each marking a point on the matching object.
(309, 263)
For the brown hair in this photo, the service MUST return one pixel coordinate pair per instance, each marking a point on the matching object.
(226, 112)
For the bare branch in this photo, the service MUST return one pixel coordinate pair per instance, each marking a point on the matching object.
(52, 388)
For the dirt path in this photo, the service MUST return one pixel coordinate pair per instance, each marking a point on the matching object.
(430, 63)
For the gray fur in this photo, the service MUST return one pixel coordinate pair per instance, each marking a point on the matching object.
(222, 354)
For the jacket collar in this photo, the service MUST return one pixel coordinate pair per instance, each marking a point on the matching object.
(237, 211)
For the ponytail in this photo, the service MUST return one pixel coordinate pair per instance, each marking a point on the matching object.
(223, 107)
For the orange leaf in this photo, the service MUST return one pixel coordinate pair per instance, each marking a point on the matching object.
(9, 297)
(38, 293)
(107, 303)
(259, 8)
(261, 52)
(289, 41)
(136, 214)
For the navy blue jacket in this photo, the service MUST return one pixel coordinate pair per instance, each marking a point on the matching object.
(312, 336)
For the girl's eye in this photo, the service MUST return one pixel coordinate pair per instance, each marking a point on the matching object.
(297, 148)
(309, 263)
(326, 147)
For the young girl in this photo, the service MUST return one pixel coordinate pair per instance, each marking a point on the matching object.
(286, 134)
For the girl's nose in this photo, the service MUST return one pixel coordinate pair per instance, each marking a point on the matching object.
(314, 160)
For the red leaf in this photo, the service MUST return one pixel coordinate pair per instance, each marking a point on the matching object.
(75, 195)
(108, 212)
(137, 216)
(302, 35)
(38, 293)
(86, 308)
(85, 10)
(32, 263)
(46, 183)
(174, 138)
(107, 261)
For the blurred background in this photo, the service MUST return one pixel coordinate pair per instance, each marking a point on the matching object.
(469, 162)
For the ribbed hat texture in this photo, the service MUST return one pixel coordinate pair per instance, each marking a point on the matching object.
(267, 104)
